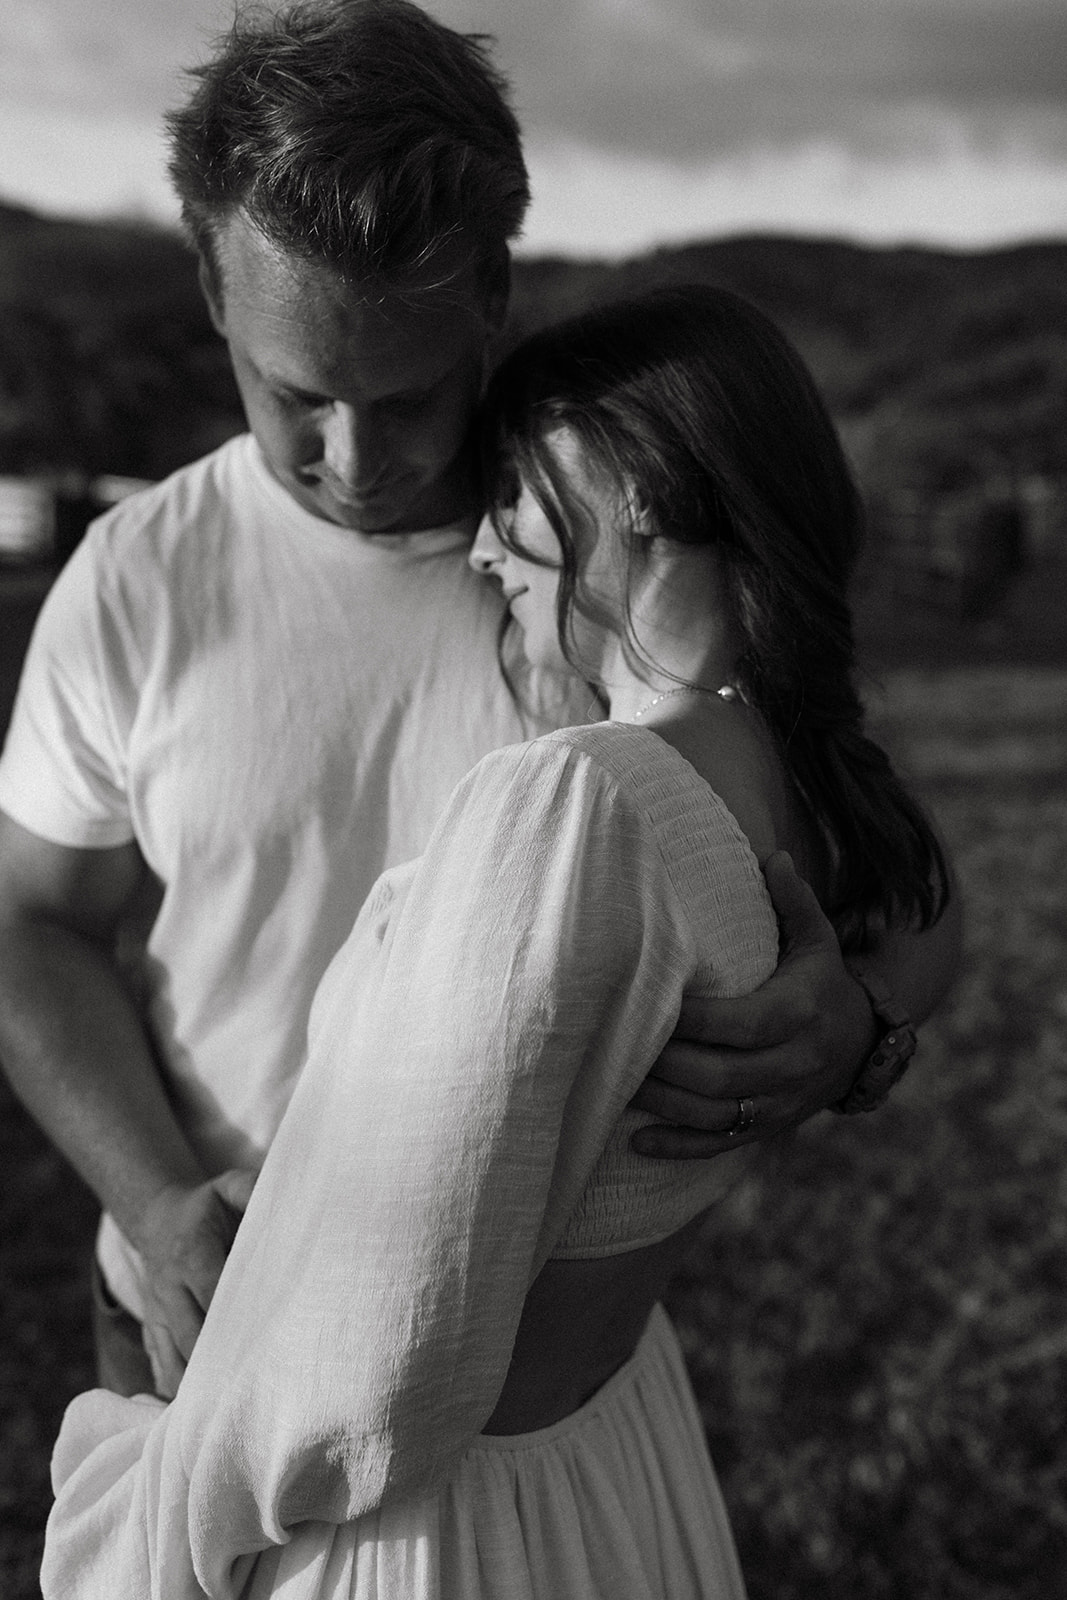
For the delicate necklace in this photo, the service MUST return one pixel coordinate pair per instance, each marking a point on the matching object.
(725, 692)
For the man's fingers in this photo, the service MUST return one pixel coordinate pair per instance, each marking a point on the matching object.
(666, 1143)
(729, 1073)
(682, 1106)
(191, 1234)
(755, 1021)
(174, 1308)
(776, 1012)
(202, 1279)
(165, 1359)
(745, 1120)
(801, 919)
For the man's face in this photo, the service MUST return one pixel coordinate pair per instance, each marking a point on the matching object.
(361, 404)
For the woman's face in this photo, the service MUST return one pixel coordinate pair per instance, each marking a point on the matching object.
(531, 587)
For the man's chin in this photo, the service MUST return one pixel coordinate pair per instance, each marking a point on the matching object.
(375, 514)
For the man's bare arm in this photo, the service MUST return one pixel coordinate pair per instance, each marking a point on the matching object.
(77, 1055)
(796, 1045)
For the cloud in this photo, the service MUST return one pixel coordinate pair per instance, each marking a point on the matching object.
(84, 163)
(124, 57)
(672, 79)
(686, 79)
(589, 201)
(725, 112)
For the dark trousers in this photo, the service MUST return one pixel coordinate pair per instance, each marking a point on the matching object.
(121, 1362)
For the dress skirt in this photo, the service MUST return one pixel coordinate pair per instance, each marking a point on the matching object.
(616, 1502)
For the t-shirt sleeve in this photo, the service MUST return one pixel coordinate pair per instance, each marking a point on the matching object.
(469, 1055)
(62, 772)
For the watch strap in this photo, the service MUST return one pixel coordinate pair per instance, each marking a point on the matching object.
(889, 1059)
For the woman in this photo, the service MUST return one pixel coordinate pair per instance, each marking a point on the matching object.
(435, 1364)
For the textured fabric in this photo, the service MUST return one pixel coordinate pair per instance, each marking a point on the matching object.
(472, 1049)
(619, 1501)
(276, 709)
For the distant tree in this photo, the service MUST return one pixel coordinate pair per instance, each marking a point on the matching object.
(41, 426)
(945, 370)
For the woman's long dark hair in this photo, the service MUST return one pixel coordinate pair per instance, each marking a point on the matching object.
(693, 399)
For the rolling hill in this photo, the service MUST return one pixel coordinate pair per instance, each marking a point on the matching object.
(946, 372)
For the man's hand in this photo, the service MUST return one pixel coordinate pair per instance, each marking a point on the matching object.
(184, 1241)
(792, 1047)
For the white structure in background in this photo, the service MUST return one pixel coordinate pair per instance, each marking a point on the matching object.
(27, 519)
(110, 488)
(29, 510)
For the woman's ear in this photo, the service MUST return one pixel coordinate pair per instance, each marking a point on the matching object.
(639, 515)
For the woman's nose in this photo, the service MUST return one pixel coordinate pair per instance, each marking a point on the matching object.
(486, 552)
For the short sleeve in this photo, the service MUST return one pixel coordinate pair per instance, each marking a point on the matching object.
(470, 1049)
(62, 772)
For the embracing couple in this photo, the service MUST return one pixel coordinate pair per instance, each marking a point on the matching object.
(464, 724)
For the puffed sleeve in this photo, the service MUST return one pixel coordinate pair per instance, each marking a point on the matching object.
(470, 1049)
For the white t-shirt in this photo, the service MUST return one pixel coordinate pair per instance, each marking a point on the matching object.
(276, 709)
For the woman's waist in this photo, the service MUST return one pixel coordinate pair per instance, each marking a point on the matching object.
(581, 1322)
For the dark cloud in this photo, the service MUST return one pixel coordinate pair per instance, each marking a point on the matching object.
(679, 79)
(698, 78)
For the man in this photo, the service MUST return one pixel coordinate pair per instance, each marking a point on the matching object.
(254, 685)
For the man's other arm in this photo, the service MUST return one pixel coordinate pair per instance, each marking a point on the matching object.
(797, 1044)
(77, 1054)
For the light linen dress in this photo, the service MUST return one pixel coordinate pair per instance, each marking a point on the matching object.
(461, 1119)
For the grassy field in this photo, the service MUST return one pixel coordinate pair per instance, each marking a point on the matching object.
(876, 1323)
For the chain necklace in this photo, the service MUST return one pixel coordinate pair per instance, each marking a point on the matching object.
(725, 692)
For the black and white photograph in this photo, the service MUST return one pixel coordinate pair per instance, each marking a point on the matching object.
(533, 800)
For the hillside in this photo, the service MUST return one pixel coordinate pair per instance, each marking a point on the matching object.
(108, 362)
(969, 351)
(947, 373)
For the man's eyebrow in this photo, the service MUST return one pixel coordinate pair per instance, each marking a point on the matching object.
(275, 380)
(298, 390)
(414, 391)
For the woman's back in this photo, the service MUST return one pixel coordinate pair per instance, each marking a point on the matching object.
(584, 1314)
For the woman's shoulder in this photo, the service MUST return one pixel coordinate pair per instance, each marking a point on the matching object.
(633, 756)
(662, 781)
(606, 761)
(621, 772)
(705, 851)
(590, 793)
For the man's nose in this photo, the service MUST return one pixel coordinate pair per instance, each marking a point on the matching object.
(486, 552)
(353, 446)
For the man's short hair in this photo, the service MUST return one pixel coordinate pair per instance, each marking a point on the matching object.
(362, 133)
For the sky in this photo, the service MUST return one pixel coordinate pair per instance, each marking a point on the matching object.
(647, 122)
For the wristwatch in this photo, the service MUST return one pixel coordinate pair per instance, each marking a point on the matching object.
(888, 1062)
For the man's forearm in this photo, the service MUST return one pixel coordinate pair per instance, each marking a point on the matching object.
(77, 1055)
(800, 1042)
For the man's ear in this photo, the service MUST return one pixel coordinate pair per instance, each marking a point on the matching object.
(210, 288)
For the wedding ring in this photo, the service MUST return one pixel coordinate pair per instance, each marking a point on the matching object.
(746, 1116)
